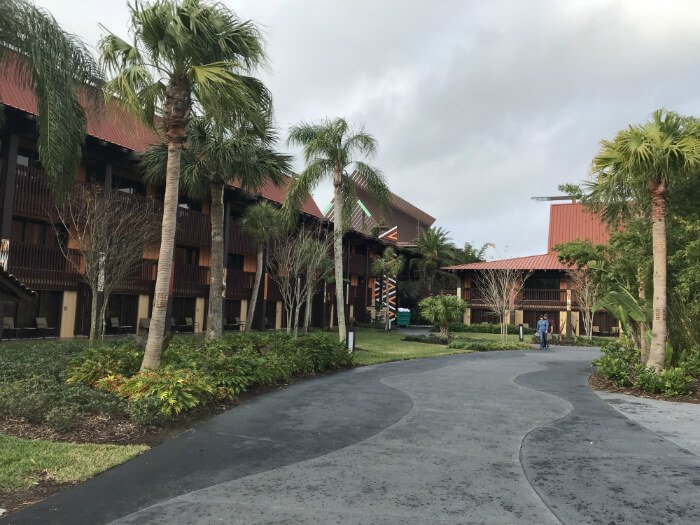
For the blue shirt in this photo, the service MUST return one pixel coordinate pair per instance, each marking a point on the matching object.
(543, 326)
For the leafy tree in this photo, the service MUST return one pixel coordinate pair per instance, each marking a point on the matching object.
(640, 165)
(469, 254)
(186, 56)
(263, 223)
(389, 265)
(443, 310)
(59, 68)
(435, 250)
(572, 190)
(330, 148)
(212, 157)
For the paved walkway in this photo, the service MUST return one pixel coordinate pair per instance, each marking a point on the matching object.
(500, 437)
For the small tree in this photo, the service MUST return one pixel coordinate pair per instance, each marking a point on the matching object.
(389, 265)
(502, 292)
(319, 266)
(110, 230)
(443, 310)
(586, 291)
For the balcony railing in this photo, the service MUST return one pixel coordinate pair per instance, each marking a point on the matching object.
(191, 280)
(44, 267)
(142, 280)
(239, 284)
(529, 297)
(358, 264)
(238, 242)
(32, 195)
(192, 228)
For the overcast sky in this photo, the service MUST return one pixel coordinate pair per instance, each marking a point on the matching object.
(477, 105)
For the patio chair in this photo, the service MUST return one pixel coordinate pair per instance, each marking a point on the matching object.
(8, 327)
(43, 329)
(236, 325)
(118, 328)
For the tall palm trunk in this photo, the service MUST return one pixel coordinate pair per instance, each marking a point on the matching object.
(256, 290)
(644, 344)
(154, 345)
(657, 352)
(216, 282)
(338, 255)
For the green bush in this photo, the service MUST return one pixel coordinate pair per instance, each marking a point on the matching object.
(617, 363)
(484, 345)
(573, 341)
(486, 328)
(691, 362)
(430, 339)
(44, 400)
(671, 382)
(94, 363)
(37, 359)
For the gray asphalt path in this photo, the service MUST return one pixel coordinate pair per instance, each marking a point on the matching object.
(474, 438)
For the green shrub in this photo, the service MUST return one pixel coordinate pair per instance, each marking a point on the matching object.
(63, 418)
(95, 363)
(573, 341)
(617, 363)
(429, 339)
(147, 411)
(20, 361)
(691, 362)
(671, 382)
(484, 345)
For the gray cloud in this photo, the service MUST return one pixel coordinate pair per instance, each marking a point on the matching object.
(477, 105)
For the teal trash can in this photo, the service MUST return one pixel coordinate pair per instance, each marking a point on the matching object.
(403, 319)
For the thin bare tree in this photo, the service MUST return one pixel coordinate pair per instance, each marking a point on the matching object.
(110, 231)
(502, 293)
(586, 292)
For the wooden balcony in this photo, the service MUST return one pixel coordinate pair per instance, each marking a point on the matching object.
(143, 279)
(191, 280)
(358, 264)
(239, 284)
(32, 195)
(193, 228)
(530, 298)
(44, 267)
(238, 242)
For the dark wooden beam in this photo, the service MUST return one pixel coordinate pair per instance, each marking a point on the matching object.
(10, 161)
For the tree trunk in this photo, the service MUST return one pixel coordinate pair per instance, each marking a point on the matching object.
(256, 290)
(216, 281)
(154, 345)
(103, 318)
(93, 319)
(309, 301)
(338, 255)
(657, 352)
(644, 344)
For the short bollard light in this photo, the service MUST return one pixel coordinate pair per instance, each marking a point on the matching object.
(351, 339)
(521, 333)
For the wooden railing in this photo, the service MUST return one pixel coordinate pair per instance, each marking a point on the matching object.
(529, 297)
(191, 280)
(44, 267)
(358, 264)
(239, 284)
(238, 242)
(192, 228)
(142, 280)
(32, 195)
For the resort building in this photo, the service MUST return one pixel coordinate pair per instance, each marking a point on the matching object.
(31, 251)
(547, 288)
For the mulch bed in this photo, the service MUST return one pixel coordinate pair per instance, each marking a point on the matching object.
(598, 382)
(15, 501)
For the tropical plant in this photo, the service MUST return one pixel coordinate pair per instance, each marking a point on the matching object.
(60, 69)
(443, 310)
(330, 148)
(212, 157)
(640, 165)
(389, 265)
(262, 223)
(188, 56)
(469, 254)
(433, 246)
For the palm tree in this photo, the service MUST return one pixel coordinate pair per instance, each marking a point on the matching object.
(58, 67)
(443, 310)
(212, 157)
(263, 223)
(186, 56)
(636, 169)
(389, 265)
(435, 251)
(330, 148)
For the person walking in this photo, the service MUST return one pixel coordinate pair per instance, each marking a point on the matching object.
(542, 329)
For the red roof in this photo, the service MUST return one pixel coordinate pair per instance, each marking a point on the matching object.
(113, 124)
(547, 261)
(572, 221)
(277, 193)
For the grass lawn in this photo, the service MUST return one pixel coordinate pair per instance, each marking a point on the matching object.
(375, 346)
(24, 462)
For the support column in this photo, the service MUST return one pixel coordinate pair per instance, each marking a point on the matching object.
(142, 310)
(68, 312)
(244, 312)
(107, 183)
(199, 307)
(8, 200)
(568, 313)
(519, 315)
(468, 316)
(278, 315)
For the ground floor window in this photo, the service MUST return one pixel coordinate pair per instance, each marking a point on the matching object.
(183, 307)
(481, 315)
(44, 306)
(122, 308)
(232, 312)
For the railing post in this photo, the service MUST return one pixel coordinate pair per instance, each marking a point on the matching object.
(10, 157)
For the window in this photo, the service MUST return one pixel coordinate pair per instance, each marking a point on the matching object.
(186, 255)
(32, 232)
(235, 261)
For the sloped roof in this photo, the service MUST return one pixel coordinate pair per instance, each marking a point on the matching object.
(572, 221)
(11, 284)
(277, 193)
(547, 261)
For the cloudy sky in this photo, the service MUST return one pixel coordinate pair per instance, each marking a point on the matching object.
(477, 105)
